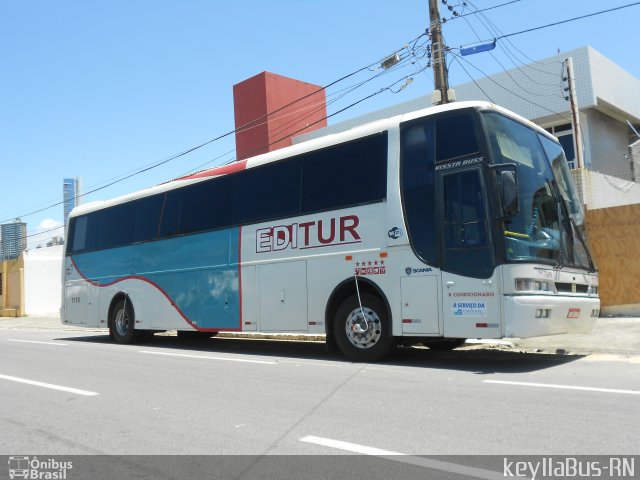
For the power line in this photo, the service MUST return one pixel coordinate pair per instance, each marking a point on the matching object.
(208, 142)
(478, 11)
(304, 112)
(378, 92)
(455, 57)
(512, 92)
(569, 20)
(495, 31)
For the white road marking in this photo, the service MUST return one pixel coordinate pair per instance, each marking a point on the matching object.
(34, 341)
(403, 458)
(207, 357)
(51, 386)
(564, 387)
(349, 447)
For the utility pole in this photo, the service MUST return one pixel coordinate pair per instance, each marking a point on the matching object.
(575, 114)
(437, 47)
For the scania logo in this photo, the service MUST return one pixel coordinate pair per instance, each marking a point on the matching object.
(410, 270)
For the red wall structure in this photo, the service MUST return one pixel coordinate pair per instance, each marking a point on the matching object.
(271, 109)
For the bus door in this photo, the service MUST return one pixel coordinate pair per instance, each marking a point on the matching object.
(470, 304)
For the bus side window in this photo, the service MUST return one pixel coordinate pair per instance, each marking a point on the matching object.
(147, 218)
(418, 187)
(466, 244)
(78, 234)
(455, 136)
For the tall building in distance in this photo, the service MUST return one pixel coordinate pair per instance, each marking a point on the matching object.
(71, 188)
(13, 239)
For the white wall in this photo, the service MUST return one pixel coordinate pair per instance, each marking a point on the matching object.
(603, 191)
(42, 277)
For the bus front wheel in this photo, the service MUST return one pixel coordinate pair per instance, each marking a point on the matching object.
(122, 322)
(361, 328)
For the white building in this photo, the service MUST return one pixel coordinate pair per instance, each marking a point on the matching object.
(607, 97)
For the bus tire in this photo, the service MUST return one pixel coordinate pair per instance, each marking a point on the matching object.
(122, 323)
(360, 340)
(444, 344)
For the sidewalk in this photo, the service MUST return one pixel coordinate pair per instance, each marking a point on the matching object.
(618, 336)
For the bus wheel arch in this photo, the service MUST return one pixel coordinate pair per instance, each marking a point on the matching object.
(121, 319)
(343, 311)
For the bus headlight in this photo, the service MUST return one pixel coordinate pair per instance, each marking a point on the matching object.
(530, 285)
(592, 290)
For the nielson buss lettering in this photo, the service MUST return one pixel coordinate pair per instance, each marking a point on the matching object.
(312, 234)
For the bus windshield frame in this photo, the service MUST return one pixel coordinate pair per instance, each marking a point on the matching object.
(549, 224)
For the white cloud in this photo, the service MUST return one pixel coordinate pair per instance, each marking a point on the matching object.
(45, 231)
(49, 223)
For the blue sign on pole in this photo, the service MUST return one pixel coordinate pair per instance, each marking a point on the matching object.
(481, 47)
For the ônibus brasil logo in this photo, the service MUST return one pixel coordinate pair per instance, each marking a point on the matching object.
(34, 468)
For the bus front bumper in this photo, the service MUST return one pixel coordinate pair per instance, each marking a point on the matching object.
(538, 315)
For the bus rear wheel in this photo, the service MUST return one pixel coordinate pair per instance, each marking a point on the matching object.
(122, 323)
(362, 332)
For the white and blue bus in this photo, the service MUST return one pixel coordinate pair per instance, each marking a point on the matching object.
(453, 222)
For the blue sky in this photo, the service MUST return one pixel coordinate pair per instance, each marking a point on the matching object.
(101, 89)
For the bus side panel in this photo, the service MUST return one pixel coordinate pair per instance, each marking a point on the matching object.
(200, 274)
(312, 250)
(183, 282)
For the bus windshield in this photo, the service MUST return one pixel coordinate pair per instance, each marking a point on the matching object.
(549, 225)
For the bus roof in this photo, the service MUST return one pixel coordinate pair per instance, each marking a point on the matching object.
(291, 151)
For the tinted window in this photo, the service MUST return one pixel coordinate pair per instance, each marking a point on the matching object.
(147, 218)
(466, 240)
(455, 136)
(267, 192)
(77, 234)
(197, 208)
(108, 228)
(351, 173)
(418, 190)
(206, 206)
(170, 218)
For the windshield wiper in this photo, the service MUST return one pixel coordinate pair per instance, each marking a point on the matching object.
(572, 229)
(592, 265)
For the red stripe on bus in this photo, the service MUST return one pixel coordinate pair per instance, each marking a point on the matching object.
(159, 288)
(217, 171)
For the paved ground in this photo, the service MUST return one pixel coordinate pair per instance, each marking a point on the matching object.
(612, 336)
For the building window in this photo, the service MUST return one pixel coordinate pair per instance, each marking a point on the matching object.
(564, 134)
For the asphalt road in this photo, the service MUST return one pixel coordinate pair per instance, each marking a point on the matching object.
(68, 393)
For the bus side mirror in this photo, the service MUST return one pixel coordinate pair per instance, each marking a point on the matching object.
(507, 181)
(508, 192)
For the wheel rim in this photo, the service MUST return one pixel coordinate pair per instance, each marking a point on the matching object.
(363, 328)
(122, 322)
